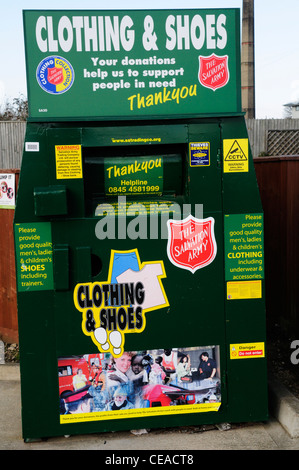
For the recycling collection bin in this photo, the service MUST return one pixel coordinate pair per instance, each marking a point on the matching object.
(138, 226)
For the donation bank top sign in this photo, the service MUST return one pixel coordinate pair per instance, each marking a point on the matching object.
(132, 64)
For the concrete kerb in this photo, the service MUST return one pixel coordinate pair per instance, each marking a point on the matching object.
(283, 405)
(9, 372)
(2, 353)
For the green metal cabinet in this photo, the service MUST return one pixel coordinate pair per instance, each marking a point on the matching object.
(198, 314)
(139, 251)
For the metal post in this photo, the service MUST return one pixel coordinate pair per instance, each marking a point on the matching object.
(247, 60)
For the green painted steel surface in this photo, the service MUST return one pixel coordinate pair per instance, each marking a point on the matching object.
(129, 254)
(198, 314)
(132, 64)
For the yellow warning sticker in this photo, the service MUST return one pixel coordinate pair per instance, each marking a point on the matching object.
(247, 350)
(235, 155)
(244, 290)
(68, 162)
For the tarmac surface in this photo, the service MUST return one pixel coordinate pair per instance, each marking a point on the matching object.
(280, 432)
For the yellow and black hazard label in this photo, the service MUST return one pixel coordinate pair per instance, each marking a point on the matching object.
(235, 155)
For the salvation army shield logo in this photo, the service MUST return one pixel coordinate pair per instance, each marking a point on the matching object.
(213, 71)
(55, 75)
(191, 242)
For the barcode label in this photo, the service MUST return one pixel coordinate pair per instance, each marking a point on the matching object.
(32, 146)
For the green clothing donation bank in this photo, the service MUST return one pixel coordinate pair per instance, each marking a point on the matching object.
(138, 225)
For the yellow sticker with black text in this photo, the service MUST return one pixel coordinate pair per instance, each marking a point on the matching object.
(235, 155)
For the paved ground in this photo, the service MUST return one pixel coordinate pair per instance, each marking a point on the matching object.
(258, 436)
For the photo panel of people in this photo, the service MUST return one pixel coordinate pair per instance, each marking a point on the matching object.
(95, 383)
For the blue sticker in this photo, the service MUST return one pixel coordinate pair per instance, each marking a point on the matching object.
(199, 153)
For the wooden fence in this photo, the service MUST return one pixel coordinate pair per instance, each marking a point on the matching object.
(278, 183)
(259, 130)
(12, 138)
(11, 143)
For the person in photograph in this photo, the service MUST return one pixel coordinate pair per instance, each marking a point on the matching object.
(76, 402)
(79, 406)
(120, 370)
(136, 372)
(4, 186)
(169, 364)
(120, 400)
(79, 380)
(98, 393)
(10, 193)
(157, 374)
(147, 363)
(183, 369)
(138, 377)
(207, 366)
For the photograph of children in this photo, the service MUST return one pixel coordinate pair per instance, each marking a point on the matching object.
(139, 379)
(7, 190)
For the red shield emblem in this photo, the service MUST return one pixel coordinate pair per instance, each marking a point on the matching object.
(213, 71)
(55, 75)
(191, 242)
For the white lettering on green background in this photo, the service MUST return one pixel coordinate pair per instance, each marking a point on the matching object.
(105, 33)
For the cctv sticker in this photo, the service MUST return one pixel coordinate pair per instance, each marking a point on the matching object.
(55, 75)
